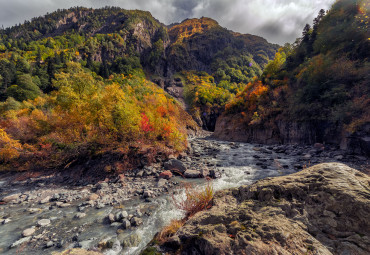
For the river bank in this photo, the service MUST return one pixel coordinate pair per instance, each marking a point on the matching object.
(121, 215)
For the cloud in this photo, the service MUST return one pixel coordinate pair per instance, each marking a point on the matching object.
(279, 21)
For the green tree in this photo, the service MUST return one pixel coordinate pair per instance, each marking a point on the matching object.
(25, 88)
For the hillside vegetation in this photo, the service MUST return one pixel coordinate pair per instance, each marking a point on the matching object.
(322, 80)
(73, 83)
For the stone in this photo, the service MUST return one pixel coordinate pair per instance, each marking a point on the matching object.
(79, 215)
(129, 241)
(305, 212)
(111, 218)
(204, 172)
(5, 221)
(64, 205)
(33, 210)
(100, 205)
(93, 197)
(319, 146)
(140, 174)
(213, 174)
(55, 197)
(49, 244)
(135, 221)
(307, 156)
(192, 174)
(126, 224)
(45, 200)
(103, 185)
(339, 157)
(121, 215)
(161, 183)
(166, 175)
(20, 242)
(175, 166)
(147, 193)
(43, 222)
(10, 198)
(28, 232)
(115, 224)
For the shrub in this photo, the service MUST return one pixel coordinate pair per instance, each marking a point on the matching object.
(195, 200)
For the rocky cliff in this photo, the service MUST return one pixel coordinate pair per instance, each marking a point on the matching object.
(321, 210)
(229, 127)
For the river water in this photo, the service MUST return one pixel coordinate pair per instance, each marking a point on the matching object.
(238, 164)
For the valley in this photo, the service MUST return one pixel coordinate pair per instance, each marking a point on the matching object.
(123, 135)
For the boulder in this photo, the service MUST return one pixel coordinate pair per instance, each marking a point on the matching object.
(175, 166)
(93, 197)
(322, 210)
(20, 242)
(166, 175)
(80, 215)
(192, 174)
(135, 221)
(28, 232)
(161, 183)
(45, 200)
(43, 222)
(10, 198)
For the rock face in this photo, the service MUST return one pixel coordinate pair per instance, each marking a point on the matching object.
(229, 127)
(321, 210)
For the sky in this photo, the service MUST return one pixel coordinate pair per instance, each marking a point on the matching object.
(279, 21)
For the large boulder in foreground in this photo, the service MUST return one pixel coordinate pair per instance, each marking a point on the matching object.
(324, 209)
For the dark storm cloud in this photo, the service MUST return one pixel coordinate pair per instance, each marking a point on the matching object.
(278, 21)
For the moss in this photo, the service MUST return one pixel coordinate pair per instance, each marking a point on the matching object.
(150, 251)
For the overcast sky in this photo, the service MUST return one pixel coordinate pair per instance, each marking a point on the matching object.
(278, 21)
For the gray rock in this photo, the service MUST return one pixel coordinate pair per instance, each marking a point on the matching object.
(139, 213)
(100, 205)
(125, 224)
(80, 215)
(175, 166)
(5, 221)
(43, 222)
(20, 242)
(28, 232)
(148, 193)
(312, 206)
(140, 174)
(111, 218)
(161, 182)
(135, 221)
(45, 200)
(115, 224)
(49, 244)
(204, 172)
(192, 174)
(121, 215)
(307, 156)
(129, 241)
(339, 157)
(10, 198)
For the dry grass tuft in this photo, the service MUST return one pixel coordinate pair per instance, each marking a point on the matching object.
(169, 231)
(196, 200)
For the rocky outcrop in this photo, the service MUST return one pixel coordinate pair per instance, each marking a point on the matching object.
(321, 210)
(229, 127)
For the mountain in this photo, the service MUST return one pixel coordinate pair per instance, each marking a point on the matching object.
(315, 91)
(113, 40)
(77, 85)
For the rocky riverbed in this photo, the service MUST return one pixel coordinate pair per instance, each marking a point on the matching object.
(321, 210)
(120, 215)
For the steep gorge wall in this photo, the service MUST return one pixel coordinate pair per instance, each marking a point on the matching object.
(285, 132)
